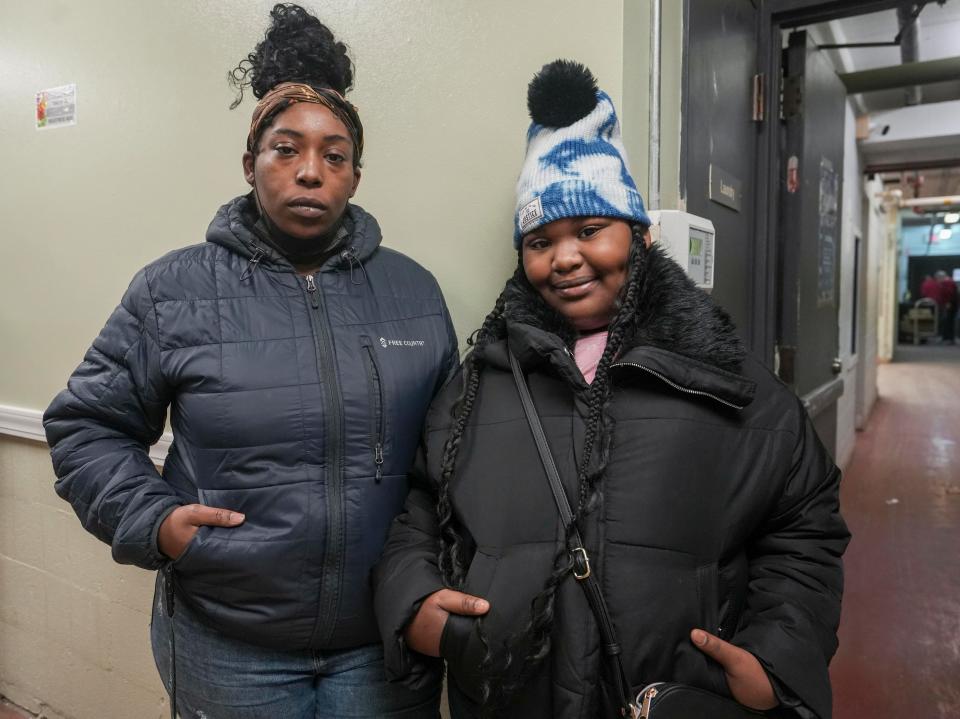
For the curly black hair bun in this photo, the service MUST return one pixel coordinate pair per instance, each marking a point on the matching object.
(297, 47)
(562, 92)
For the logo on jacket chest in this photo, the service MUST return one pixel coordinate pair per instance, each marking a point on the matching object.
(384, 342)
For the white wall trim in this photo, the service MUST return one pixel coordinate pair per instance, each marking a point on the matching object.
(28, 424)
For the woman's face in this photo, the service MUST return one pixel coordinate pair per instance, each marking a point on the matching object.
(303, 170)
(579, 265)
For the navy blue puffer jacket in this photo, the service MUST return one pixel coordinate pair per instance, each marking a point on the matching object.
(295, 400)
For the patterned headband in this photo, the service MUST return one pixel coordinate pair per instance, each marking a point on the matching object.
(288, 93)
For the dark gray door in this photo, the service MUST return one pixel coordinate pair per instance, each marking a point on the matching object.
(811, 161)
(719, 144)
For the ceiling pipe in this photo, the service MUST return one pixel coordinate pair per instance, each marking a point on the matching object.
(947, 201)
(879, 167)
(854, 45)
(908, 21)
(894, 198)
(914, 73)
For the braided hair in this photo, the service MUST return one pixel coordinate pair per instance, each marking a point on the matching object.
(529, 647)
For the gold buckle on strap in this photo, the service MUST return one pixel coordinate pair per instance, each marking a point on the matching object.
(581, 560)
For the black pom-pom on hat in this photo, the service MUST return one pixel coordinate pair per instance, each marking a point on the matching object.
(562, 92)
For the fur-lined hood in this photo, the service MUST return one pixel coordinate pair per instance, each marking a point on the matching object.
(682, 335)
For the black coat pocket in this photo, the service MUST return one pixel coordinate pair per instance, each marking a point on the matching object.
(460, 643)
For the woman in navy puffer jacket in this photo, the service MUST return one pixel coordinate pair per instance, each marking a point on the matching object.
(297, 357)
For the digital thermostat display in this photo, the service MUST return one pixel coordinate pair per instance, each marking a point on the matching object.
(689, 240)
(701, 256)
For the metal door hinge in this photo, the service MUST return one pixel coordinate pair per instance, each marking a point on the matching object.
(759, 97)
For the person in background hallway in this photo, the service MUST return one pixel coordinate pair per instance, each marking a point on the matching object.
(708, 507)
(930, 289)
(278, 346)
(948, 306)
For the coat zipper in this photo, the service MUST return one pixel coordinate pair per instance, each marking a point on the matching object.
(332, 566)
(252, 265)
(676, 386)
(645, 698)
(376, 391)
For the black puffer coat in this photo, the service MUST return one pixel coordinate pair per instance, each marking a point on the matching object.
(297, 401)
(718, 509)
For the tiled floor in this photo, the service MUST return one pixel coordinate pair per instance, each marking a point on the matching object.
(900, 630)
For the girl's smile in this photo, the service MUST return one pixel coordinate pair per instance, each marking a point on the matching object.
(579, 265)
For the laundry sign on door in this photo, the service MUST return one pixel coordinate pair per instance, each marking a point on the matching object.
(57, 107)
(724, 188)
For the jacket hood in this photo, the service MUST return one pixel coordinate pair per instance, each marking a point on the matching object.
(232, 227)
(681, 335)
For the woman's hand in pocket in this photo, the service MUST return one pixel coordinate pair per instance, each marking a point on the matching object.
(746, 678)
(181, 524)
(424, 631)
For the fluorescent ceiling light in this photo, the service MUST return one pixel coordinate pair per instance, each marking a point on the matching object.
(951, 218)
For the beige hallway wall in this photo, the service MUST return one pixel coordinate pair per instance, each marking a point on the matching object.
(440, 86)
(874, 219)
(850, 233)
(73, 624)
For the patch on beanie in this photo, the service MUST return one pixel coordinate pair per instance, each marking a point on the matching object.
(530, 213)
(562, 92)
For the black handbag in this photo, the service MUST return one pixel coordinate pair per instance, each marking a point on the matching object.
(672, 700)
(662, 700)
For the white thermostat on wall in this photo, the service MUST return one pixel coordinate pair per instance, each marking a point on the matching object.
(689, 240)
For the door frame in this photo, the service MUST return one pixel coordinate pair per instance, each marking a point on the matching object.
(775, 16)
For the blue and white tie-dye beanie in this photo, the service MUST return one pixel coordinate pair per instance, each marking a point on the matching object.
(576, 165)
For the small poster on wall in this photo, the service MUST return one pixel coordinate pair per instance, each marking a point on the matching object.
(57, 107)
(827, 250)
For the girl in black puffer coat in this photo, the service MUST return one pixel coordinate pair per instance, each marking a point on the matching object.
(707, 505)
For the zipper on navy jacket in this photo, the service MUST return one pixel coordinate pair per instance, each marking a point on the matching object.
(676, 386)
(377, 433)
(332, 568)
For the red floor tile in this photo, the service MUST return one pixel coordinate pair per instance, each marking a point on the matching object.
(899, 649)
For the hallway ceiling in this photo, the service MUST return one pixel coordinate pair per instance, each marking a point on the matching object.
(940, 182)
(939, 38)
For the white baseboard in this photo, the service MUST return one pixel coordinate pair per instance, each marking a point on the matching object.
(28, 424)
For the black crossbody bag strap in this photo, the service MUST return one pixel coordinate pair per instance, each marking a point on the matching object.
(581, 561)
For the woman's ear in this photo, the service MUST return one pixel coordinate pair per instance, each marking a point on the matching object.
(248, 167)
(356, 181)
(647, 239)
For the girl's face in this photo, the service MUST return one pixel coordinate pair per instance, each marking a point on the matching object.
(303, 170)
(579, 265)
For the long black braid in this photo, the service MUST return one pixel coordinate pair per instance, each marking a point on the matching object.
(533, 642)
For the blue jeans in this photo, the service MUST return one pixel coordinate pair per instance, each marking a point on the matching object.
(222, 678)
